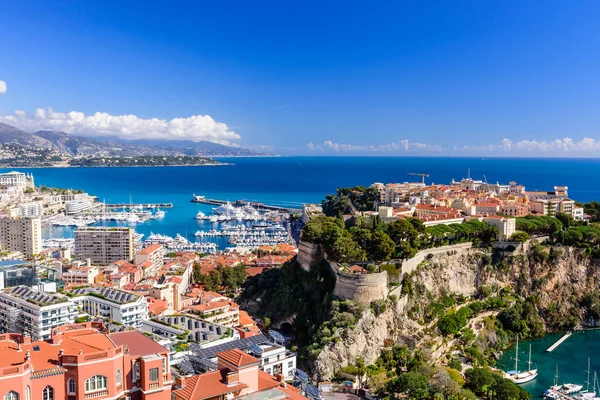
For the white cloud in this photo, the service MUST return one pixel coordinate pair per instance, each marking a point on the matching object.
(402, 146)
(564, 145)
(196, 127)
(506, 147)
(3, 87)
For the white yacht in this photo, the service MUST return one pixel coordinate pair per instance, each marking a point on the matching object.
(159, 213)
(200, 215)
(517, 376)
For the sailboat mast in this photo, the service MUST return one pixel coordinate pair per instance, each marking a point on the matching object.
(529, 362)
(588, 377)
(556, 376)
(517, 355)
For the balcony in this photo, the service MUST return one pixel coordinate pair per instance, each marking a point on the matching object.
(95, 395)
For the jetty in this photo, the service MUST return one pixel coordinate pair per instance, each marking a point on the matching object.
(240, 203)
(141, 205)
(559, 342)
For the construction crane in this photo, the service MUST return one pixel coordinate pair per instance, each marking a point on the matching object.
(421, 175)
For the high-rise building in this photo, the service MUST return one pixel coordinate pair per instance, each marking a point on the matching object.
(23, 310)
(21, 234)
(103, 245)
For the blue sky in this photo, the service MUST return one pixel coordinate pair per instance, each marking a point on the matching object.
(398, 77)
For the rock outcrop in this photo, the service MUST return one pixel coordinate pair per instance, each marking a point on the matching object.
(558, 281)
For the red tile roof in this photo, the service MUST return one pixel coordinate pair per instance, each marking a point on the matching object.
(207, 385)
(137, 343)
(237, 357)
(150, 249)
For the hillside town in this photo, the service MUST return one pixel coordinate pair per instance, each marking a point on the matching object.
(163, 324)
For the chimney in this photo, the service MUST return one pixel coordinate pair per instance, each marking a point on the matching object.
(232, 377)
(27, 356)
(26, 338)
(180, 381)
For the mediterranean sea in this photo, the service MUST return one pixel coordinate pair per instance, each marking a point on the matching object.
(291, 181)
(571, 357)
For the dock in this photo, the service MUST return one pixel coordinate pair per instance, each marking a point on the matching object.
(559, 342)
(240, 203)
(140, 205)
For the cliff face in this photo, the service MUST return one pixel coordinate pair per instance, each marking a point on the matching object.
(366, 340)
(559, 279)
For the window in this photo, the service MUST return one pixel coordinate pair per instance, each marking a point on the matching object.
(153, 374)
(27, 393)
(291, 364)
(96, 382)
(48, 393)
(118, 377)
(12, 395)
(71, 386)
(135, 374)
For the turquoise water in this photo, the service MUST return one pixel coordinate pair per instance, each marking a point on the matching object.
(291, 181)
(571, 356)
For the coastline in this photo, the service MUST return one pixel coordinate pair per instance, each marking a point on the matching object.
(220, 164)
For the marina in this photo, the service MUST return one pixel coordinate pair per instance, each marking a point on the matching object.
(242, 203)
(571, 357)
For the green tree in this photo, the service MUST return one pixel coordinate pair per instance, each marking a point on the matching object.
(412, 383)
(381, 246)
(520, 236)
(479, 380)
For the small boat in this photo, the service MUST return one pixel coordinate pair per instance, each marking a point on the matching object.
(213, 219)
(198, 199)
(200, 215)
(560, 391)
(517, 376)
(159, 213)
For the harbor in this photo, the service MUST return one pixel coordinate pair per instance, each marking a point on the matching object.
(571, 357)
(242, 203)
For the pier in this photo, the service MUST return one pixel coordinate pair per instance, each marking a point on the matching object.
(239, 203)
(559, 342)
(140, 206)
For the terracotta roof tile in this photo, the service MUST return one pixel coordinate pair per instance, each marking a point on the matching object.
(237, 357)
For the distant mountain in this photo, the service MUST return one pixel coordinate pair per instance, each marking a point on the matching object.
(103, 146)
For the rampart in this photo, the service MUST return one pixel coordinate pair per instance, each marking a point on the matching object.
(361, 288)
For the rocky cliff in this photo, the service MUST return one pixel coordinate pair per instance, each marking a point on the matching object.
(557, 277)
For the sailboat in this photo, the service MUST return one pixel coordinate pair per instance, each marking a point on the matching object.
(517, 376)
(586, 394)
(559, 391)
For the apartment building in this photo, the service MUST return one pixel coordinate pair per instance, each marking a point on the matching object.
(21, 234)
(199, 330)
(17, 179)
(516, 209)
(110, 303)
(104, 245)
(168, 292)
(79, 276)
(238, 375)
(223, 312)
(80, 362)
(23, 310)
(154, 255)
(31, 209)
